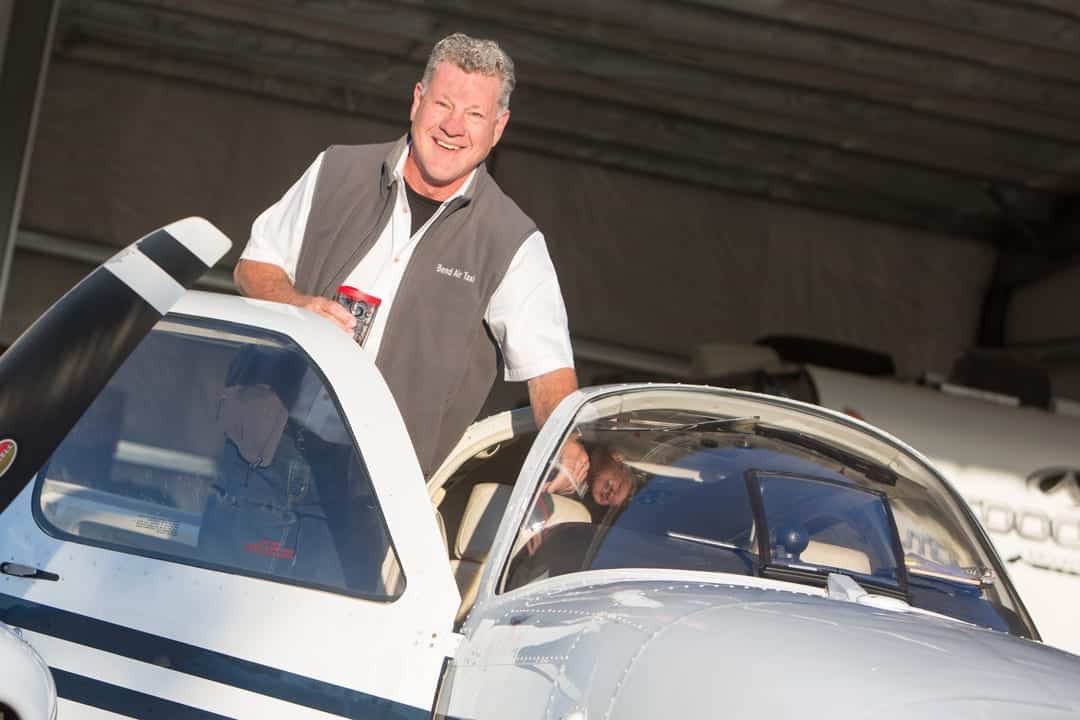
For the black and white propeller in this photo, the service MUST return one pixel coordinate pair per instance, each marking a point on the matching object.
(54, 370)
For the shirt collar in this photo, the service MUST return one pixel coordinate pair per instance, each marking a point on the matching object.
(395, 161)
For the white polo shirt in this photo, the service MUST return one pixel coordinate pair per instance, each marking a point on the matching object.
(526, 313)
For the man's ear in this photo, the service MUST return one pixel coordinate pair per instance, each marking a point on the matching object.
(500, 125)
(417, 94)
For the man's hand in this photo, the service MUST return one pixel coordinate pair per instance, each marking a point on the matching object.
(329, 309)
(545, 392)
(573, 467)
(269, 282)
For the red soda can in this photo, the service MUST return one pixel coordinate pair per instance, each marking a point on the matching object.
(362, 306)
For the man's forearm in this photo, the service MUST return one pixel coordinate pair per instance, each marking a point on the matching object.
(266, 282)
(269, 282)
(547, 390)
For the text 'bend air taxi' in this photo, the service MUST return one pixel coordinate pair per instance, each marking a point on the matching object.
(216, 512)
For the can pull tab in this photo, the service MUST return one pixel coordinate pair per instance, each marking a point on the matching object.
(25, 571)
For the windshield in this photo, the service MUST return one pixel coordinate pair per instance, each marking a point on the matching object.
(693, 480)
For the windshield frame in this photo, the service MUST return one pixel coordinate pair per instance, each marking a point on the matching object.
(899, 459)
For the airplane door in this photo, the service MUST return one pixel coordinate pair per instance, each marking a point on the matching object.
(226, 532)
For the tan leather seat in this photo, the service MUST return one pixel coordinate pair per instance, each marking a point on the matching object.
(484, 511)
(487, 501)
(837, 556)
(564, 509)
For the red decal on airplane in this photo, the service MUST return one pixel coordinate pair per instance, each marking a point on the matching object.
(8, 448)
(270, 548)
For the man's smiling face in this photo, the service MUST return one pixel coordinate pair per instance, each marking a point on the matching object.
(455, 123)
(609, 478)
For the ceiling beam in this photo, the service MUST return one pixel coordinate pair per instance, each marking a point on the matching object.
(704, 37)
(848, 125)
(1043, 27)
(989, 141)
(1063, 8)
(842, 166)
(868, 112)
(747, 51)
(874, 21)
(854, 201)
(780, 100)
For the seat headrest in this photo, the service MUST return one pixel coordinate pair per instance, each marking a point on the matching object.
(484, 511)
(253, 418)
(566, 509)
(563, 509)
(282, 370)
(487, 501)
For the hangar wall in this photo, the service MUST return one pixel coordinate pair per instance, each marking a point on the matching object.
(672, 266)
(645, 263)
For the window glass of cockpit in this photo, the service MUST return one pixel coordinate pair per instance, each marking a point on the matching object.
(713, 481)
(654, 496)
(821, 523)
(221, 445)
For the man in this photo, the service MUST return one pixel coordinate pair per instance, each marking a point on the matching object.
(609, 480)
(463, 275)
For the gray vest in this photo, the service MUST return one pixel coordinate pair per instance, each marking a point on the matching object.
(437, 355)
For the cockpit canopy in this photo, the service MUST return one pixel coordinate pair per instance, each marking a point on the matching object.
(694, 479)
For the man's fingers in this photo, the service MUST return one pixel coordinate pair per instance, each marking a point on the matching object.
(333, 311)
(577, 460)
(342, 316)
(562, 483)
(572, 468)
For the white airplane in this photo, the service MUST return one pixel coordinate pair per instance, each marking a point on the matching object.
(217, 512)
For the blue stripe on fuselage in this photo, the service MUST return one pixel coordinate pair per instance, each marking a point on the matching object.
(198, 661)
(122, 700)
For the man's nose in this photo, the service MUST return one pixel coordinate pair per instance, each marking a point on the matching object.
(453, 124)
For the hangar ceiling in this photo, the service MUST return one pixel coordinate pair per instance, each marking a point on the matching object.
(957, 116)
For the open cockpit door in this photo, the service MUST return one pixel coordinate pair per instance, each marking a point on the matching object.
(52, 373)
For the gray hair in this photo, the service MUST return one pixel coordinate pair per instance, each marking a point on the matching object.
(474, 55)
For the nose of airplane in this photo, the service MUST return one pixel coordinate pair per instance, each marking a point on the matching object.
(702, 651)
